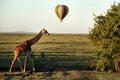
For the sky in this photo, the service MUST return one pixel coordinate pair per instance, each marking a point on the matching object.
(34, 15)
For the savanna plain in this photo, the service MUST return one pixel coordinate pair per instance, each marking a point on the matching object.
(56, 57)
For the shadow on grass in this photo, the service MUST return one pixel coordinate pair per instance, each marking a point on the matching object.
(52, 62)
(50, 66)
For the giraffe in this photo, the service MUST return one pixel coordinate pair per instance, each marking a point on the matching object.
(25, 49)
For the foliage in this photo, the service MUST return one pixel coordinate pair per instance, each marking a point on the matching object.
(106, 36)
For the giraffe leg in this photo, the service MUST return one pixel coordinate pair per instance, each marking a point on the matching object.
(20, 64)
(13, 61)
(25, 63)
(32, 63)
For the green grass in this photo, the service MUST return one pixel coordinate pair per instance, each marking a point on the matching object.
(52, 43)
(56, 57)
(54, 61)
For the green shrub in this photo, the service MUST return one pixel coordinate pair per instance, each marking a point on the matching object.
(106, 36)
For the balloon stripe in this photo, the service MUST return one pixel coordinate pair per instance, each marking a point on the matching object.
(56, 11)
(60, 12)
(64, 12)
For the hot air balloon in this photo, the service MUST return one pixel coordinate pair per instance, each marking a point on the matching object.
(61, 11)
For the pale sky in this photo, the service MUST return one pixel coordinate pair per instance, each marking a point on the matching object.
(33, 15)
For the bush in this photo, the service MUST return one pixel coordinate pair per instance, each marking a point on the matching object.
(106, 36)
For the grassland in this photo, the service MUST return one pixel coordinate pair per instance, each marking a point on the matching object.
(53, 43)
(56, 57)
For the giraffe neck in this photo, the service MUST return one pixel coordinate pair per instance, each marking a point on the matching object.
(36, 38)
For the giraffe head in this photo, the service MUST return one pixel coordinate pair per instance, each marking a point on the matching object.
(44, 31)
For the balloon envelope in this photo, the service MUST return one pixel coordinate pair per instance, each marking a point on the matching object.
(61, 11)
